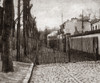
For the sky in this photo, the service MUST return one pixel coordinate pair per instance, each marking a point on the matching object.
(49, 13)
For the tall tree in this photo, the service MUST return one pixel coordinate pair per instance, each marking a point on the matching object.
(25, 25)
(7, 64)
(18, 33)
(26, 14)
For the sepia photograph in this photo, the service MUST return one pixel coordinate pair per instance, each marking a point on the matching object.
(49, 41)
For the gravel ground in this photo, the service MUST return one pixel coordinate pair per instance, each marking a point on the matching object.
(79, 72)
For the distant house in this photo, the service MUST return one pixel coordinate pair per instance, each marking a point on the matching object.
(95, 24)
(74, 26)
(52, 39)
(52, 35)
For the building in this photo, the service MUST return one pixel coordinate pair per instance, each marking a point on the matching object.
(1, 3)
(52, 40)
(75, 26)
(95, 24)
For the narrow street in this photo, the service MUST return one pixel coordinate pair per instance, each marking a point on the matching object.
(57, 72)
(49, 41)
(80, 72)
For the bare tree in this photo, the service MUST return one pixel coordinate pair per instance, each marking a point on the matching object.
(7, 64)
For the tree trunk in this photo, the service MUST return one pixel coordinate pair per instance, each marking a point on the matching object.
(26, 9)
(18, 33)
(7, 64)
(24, 25)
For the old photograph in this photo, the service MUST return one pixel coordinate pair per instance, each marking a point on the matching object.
(49, 41)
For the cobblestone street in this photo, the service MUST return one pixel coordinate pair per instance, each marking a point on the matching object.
(79, 72)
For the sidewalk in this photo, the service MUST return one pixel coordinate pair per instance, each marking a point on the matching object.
(20, 74)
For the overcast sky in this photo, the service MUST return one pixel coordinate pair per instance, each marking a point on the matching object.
(48, 12)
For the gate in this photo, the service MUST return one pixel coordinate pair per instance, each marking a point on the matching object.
(47, 56)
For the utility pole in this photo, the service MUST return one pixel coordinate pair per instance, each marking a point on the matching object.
(82, 31)
(82, 21)
(62, 17)
(62, 27)
(99, 13)
(18, 33)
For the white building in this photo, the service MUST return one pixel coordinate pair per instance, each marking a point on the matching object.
(95, 25)
(74, 24)
(52, 34)
(1, 3)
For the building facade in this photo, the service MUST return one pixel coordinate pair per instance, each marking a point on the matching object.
(74, 26)
(95, 25)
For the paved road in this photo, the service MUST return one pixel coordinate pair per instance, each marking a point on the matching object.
(84, 70)
(79, 72)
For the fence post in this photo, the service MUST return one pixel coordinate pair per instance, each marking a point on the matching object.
(96, 48)
(68, 48)
(69, 57)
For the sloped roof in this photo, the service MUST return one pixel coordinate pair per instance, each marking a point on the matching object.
(95, 21)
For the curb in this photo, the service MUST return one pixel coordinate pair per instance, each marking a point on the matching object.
(29, 74)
